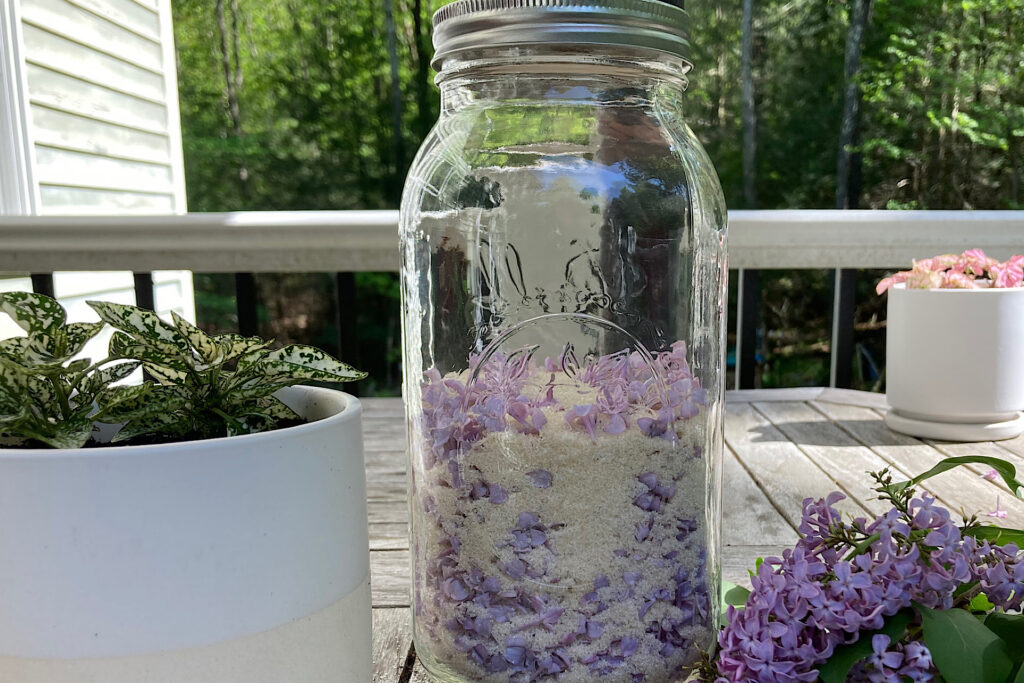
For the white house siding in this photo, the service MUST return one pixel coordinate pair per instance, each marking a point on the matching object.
(102, 125)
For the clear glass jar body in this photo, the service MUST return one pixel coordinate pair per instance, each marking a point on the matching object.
(563, 280)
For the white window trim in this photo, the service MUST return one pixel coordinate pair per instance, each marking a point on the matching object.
(170, 61)
(19, 194)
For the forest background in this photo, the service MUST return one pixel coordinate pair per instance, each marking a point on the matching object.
(882, 104)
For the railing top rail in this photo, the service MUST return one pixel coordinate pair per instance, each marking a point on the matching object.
(333, 241)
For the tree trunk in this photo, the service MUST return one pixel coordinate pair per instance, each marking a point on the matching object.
(720, 111)
(424, 113)
(848, 133)
(749, 116)
(232, 79)
(396, 90)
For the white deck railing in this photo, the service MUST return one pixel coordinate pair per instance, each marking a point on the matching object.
(347, 241)
(280, 241)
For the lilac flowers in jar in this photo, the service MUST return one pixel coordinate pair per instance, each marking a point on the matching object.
(563, 241)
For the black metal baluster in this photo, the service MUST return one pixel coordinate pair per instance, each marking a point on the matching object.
(144, 296)
(42, 283)
(245, 302)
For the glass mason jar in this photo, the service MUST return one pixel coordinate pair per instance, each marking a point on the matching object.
(563, 281)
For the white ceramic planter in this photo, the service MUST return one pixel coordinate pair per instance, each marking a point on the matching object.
(955, 362)
(240, 560)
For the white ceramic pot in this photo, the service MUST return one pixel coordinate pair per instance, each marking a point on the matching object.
(955, 362)
(236, 560)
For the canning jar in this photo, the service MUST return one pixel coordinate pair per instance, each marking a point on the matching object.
(563, 280)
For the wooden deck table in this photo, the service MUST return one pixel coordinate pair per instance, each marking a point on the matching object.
(782, 446)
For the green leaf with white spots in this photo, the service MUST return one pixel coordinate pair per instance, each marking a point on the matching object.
(307, 363)
(13, 379)
(12, 403)
(266, 406)
(162, 424)
(78, 334)
(145, 327)
(103, 377)
(276, 408)
(247, 350)
(249, 424)
(123, 403)
(165, 375)
(14, 348)
(205, 346)
(72, 433)
(41, 395)
(125, 347)
(32, 312)
(245, 386)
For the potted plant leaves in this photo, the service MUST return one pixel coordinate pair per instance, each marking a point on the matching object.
(220, 536)
(954, 357)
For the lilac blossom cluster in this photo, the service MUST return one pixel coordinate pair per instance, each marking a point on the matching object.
(822, 593)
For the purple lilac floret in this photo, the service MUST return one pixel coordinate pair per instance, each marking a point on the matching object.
(814, 598)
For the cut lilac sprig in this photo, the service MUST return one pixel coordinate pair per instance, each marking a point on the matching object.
(846, 578)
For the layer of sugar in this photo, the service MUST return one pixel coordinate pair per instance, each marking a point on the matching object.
(329, 646)
(594, 483)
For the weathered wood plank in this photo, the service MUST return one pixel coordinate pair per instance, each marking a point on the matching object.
(748, 517)
(781, 470)
(833, 450)
(852, 397)
(420, 675)
(390, 578)
(738, 559)
(392, 638)
(389, 536)
(957, 489)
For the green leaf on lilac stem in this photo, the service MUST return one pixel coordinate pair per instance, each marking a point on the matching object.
(1009, 627)
(981, 603)
(962, 648)
(996, 535)
(734, 595)
(838, 666)
(1005, 470)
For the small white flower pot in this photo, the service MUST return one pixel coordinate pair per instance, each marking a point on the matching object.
(236, 560)
(955, 363)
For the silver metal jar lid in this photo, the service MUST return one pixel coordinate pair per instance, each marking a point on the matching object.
(475, 24)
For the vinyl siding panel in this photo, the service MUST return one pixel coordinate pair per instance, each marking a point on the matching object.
(53, 51)
(71, 201)
(64, 93)
(79, 25)
(61, 167)
(62, 130)
(126, 14)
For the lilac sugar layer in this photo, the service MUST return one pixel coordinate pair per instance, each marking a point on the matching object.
(562, 534)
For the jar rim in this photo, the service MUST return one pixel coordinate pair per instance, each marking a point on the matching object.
(478, 24)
